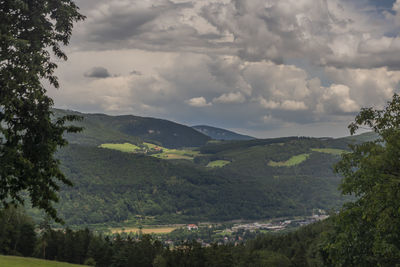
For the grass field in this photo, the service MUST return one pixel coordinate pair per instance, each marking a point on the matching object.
(12, 261)
(295, 160)
(151, 146)
(217, 163)
(332, 151)
(165, 154)
(126, 147)
(173, 153)
(160, 230)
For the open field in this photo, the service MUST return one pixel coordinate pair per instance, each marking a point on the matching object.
(12, 261)
(218, 163)
(332, 151)
(172, 153)
(126, 147)
(165, 153)
(159, 230)
(295, 160)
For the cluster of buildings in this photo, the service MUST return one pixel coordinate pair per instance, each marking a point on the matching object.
(239, 233)
(278, 225)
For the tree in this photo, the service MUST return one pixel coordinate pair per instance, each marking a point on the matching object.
(368, 229)
(17, 232)
(29, 136)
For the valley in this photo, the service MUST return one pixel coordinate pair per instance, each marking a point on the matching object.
(125, 180)
(206, 233)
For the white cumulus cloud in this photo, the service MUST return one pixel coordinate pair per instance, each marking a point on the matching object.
(234, 97)
(198, 102)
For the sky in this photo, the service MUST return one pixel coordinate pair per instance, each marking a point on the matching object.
(266, 68)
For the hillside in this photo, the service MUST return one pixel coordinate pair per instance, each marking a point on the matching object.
(13, 261)
(113, 186)
(101, 128)
(221, 134)
(118, 178)
(360, 138)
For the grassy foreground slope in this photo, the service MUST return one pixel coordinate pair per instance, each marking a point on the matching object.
(13, 261)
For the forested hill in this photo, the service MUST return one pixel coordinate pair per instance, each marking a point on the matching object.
(221, 134)
(101, 128)
(119, 177)
(252, 180)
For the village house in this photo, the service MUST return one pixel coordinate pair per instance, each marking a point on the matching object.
(191, 227)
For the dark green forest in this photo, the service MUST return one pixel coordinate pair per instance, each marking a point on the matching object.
(111, 186)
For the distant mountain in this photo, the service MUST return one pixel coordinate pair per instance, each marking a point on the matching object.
(220, 134)
(364, 137)
(101, 128)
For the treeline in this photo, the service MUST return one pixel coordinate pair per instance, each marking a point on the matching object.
(214, 148)
(304, 247)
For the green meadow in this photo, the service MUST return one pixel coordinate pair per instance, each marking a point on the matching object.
(165, 153)
(295, 160)
(218, 163)
(13, 261)
(125, 147)
(332, 151)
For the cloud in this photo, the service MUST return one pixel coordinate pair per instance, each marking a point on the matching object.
(121, 20)
(328, 33)
(338, 33)
(198, 102)
(97, 72)
(179, 89)
(268, 104)
(395, 14)
(336, 99)
(367, 87)
(294, 64)
(236, 97)
(135, 72)
(293, 105)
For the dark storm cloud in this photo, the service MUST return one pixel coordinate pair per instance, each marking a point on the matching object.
(97, 72)
(326, 33)
(131, 24)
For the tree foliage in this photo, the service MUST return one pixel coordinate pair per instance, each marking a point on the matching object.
(28, 135)
(368, 232)
(295, 248)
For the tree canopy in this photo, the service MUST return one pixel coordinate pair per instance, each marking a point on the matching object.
(367, 230)
(29, 136)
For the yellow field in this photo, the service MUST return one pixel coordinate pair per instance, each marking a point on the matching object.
(160, 230)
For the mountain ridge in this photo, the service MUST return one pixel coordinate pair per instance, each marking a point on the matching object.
(100, 128)
(220, 133)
